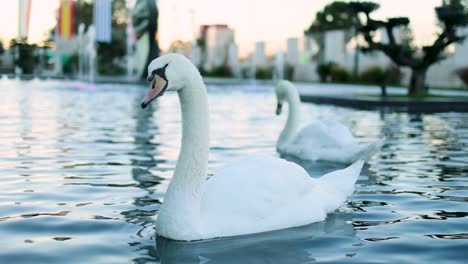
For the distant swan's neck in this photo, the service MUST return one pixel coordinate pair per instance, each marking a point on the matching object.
(292, 123)
(180, 213)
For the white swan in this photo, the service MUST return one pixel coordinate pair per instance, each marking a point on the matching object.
(325, 140)
(253, 194)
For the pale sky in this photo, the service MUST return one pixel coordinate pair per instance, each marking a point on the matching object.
(272, 21)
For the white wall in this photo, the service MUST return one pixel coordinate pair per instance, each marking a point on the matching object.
(217, 45)
(292, 52)
(196, 55)
(335, 47)
(259, 54)
(443, 74)
(306, 72)
(233, 60)
(461, 50)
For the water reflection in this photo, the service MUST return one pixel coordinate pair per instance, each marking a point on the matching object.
(284, 246)
(80, 169)
(142, 161)
(315, 168)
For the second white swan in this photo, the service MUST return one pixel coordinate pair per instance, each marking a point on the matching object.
(323, 140)
(251, 195)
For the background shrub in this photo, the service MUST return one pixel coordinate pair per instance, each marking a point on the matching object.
(220, 71)
(264, 73)
(339, 74)
(393, 75)
(373, 75)
(463, 74)
(324, 71)
(377, 75)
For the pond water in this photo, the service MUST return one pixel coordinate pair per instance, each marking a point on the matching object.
(83, 174)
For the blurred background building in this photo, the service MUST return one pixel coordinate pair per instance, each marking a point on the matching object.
(120, 38)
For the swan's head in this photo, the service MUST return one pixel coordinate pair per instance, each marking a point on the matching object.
(166, 73)
(282, 89)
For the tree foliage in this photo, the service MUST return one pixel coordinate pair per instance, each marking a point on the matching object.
(324, 70)
(177, 45)
(463, 75)
(2, 49)
(26, 58)
(334, 16)
(373, 75)
(380, 76)
(334, 72)
(452, 14)
(339, 74)
(83, 14)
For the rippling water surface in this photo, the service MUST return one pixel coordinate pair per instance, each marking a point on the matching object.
(83, 174)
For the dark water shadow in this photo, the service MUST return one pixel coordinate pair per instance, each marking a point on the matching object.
(316, 168)
(283, 246)
(146, 205)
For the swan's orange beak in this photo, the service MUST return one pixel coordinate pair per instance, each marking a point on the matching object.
(157, 88)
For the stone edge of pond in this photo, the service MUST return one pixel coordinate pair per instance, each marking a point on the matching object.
(430, 105)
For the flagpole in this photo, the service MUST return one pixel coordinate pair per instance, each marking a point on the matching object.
(92, 53)
(57, 64)
(129, 48)
(80, 51)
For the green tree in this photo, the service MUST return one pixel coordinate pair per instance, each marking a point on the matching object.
(2, 49)
(452, 15)
(334, 16)
(83, 14)
(339, 74)
(324, 70)
(26, 58)
(373, 75)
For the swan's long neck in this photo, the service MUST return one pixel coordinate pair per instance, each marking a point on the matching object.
(180, 213)
(292, 123)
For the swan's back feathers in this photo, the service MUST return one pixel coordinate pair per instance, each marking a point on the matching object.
(329, 141)
(343, 180)
(369, 149)
(268, 179)
(263, 193)
(325, 133)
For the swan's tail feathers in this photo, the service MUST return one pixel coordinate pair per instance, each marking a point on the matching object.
(343, 180)
(369, 150)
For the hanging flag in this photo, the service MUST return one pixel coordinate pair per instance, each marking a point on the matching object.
(23, 18)
(103, 20)
(65, 23)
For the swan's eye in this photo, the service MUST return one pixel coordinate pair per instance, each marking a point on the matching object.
(161, 72)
